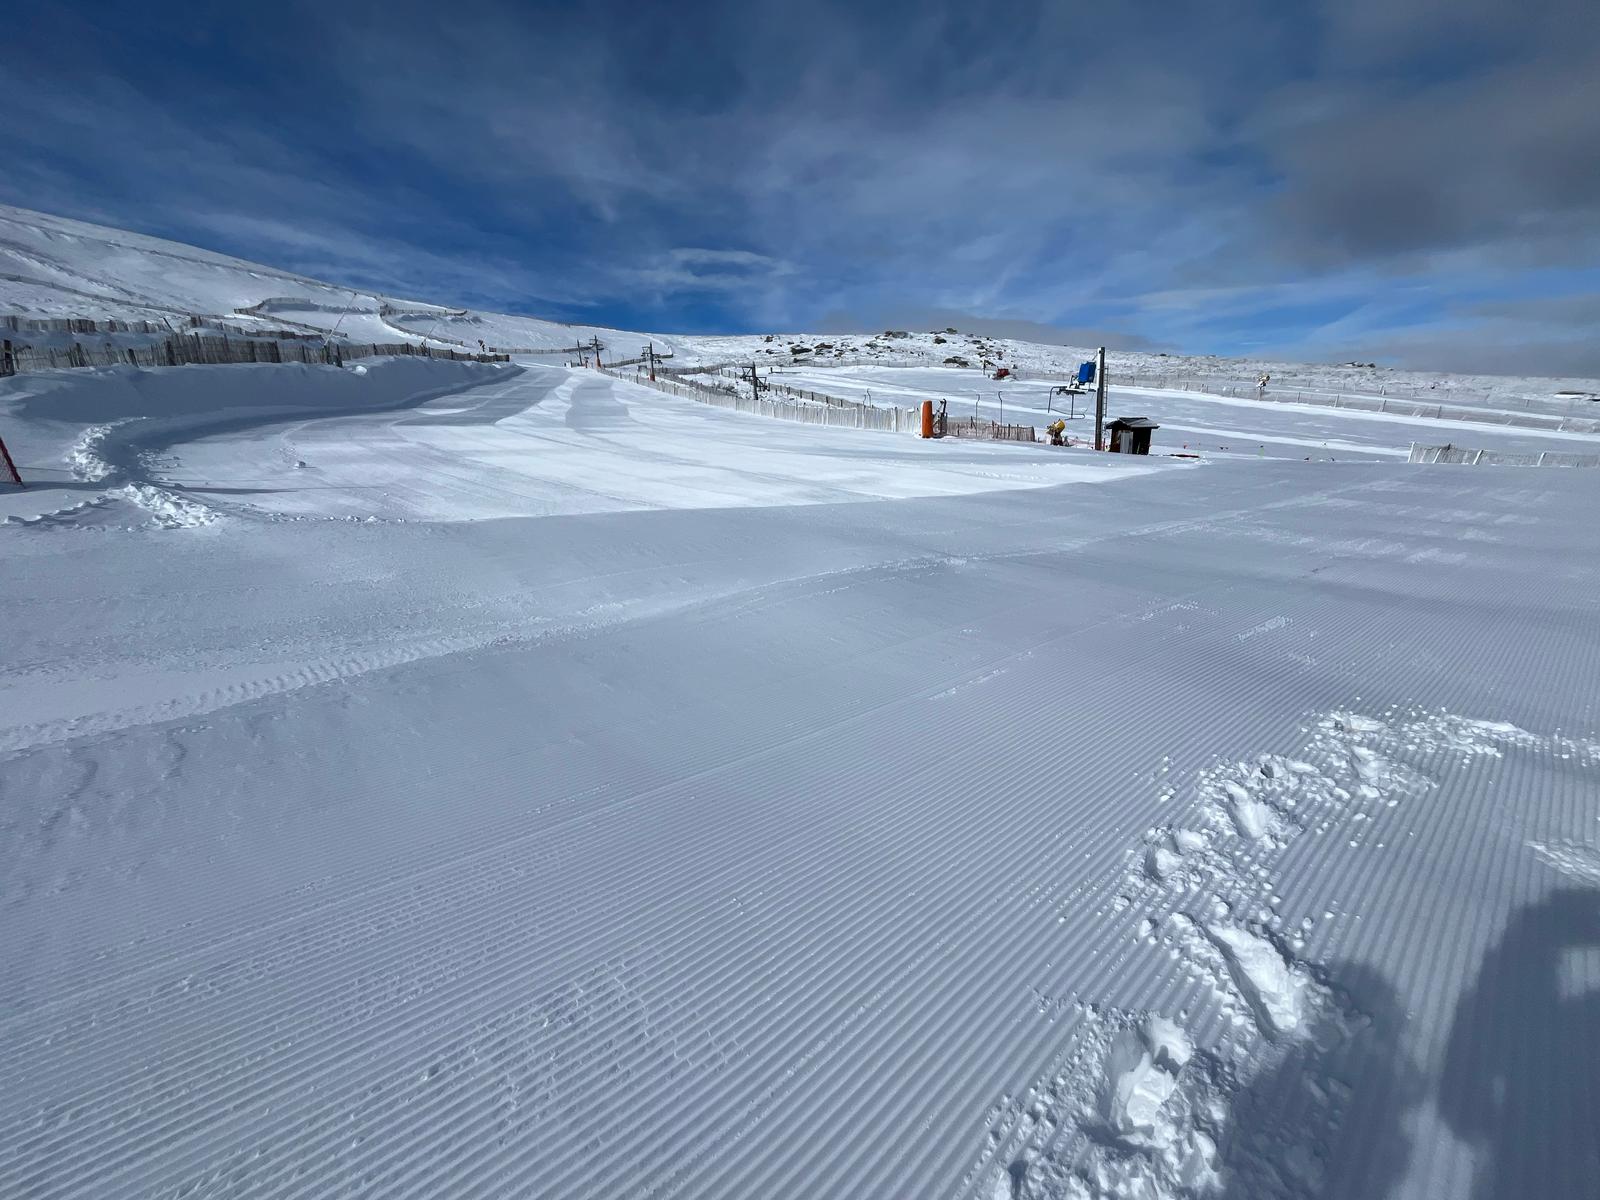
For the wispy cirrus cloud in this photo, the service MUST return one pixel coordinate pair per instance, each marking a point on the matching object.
(1339, 174)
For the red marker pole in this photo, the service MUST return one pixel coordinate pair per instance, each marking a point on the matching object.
(11, 467)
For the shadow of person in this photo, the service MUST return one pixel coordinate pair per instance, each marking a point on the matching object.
(1326, 1117)
(1521, 1078)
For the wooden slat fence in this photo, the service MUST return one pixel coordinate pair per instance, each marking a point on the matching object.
(855, 416)
(79, 325)
(180, 350)
(970, 427)
(816, 408)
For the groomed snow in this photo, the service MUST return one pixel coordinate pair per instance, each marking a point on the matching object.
(469, 781)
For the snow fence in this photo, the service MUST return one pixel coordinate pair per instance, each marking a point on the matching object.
(1461, 454)
(843, 413)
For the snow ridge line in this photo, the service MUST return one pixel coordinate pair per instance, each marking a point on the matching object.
(740, 598)
(174, 509)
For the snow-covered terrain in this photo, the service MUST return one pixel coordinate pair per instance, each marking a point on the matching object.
(56, 267)
(1190, 420)
(453, 779)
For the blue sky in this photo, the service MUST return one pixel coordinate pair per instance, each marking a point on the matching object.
(1412, 181)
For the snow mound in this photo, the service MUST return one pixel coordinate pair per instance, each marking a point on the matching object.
(168, 509)
(1276, 987)
(85, 458)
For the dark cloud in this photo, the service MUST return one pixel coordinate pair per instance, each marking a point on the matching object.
(1509, 158)
(1440, 124)
(1580, 313)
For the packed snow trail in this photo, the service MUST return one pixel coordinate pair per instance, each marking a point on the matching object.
(1219, 831)
(501, 442)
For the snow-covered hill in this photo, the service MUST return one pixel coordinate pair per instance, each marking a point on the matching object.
(55, 267)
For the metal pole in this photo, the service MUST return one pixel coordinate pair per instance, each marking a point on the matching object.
(353, 295)
(1100, 402)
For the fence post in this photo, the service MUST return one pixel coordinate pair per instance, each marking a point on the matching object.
(8, 363)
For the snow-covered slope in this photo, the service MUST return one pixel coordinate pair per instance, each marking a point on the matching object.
(56, 267)
(1227, 831)
(441, 779)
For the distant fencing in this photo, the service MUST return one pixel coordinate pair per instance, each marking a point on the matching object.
(1460, 454)
(1376, 404)
(644, 358)
(1535, 414)
(813, 397)
(78, 325)
(183, 349)
(81, 326)
(696, 369)
(1431, 398)
(815, 408)
(844, 414)
(284, 331)
(971, 427)
(519, 351)
(742, 375)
